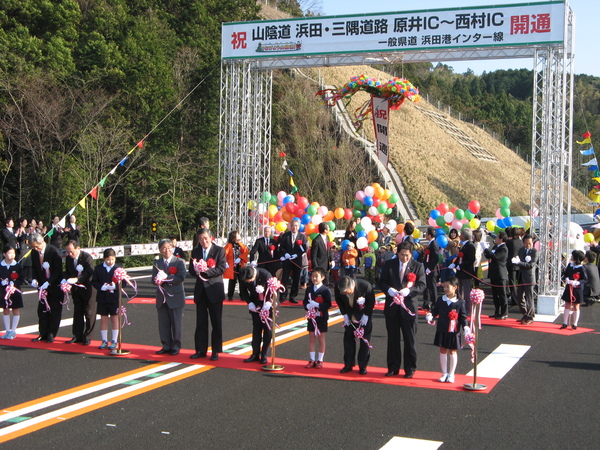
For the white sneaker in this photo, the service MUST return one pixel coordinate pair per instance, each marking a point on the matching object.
(450, 379)
(443, 378)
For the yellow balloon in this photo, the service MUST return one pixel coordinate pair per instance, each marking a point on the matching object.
(416, 234)
(490, 225)
(588, 237)
(474, 223)
(281, 226)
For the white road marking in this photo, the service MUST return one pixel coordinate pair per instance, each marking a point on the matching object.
(500, 361)
(404, 443)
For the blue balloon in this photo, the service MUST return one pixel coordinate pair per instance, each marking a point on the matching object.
(345, 243)
(434, 214)
(361, 233)
(597, 213)
(301, 228)
(305, 219)
(439, 231)
(415, 255)
(500, 224)
(287, 199)
(368, 201)
(508, 222)
(442, 240)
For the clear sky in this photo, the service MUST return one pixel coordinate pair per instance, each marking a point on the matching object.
(587, 12)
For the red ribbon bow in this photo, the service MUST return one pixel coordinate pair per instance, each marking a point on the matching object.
(452, 315)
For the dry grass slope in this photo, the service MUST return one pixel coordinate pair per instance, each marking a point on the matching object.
(436, 168)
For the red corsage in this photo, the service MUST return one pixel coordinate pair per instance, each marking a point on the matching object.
(411, 277)
(319, 299)
(427, 251)
(576, 276)
(172, 270)
(14, 276)
(299, 242)
(211, 263)
(271, 247)
(452, 326)
(461, 254)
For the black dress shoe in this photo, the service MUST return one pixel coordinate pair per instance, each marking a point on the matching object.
(86, 342)
(293, 300)
(494, 316)
(174, 352)
(252, 359)
(408, 374)
(50, 339)
(362, 371)
(162, 351)
(502, 317)
(71, 341)
(214, 357)
(39, 338)
(391, 373)
(263, 360)
(198, 355)
(346, 369)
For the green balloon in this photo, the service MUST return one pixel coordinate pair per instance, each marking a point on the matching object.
(382, 208)
(388, 212)
(459, 214)
(313, 235)
(357, 204)
(469, 215)
(439, 220)
(273, 200)
(505, 211)
(312, 210)
(393, 198)
(505, 202)
(374, 245)
(265, 197)
(356, 213)
(331, 225)
(466, 225)
(359, 227)
(446, 228)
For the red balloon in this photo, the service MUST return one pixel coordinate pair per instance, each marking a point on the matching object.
(443, 208)
(453, 210)
(302, 202)
(376, 202)
(474, 206)
(348, 214)
(290, 207)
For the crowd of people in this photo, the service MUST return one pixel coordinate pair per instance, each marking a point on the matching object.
(270, 273)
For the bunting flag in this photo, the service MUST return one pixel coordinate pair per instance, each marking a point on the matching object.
(62, 222)
(282, 154)
(585, 141)
(590, 151)
(102, 181)
(293, 185)
(71, 211)
(290, 172)
(284, 166)
(82, 203)
(594, 167)
(50, 233)
(122, 163)
(94, 193)
(591, 162)
(140, 144)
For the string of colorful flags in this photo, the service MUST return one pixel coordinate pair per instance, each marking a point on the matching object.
(284, 166)
(591, 165)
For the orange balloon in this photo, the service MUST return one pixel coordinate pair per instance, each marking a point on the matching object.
(386, 194)
(328, 217)
(272, 211)
(372, 236)
(309, 228)
(315, 204)
(400, 228)
(375, 185)
(286, 215)
(339, 213)
(378, 192)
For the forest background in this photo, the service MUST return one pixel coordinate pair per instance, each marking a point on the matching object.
(82, 81)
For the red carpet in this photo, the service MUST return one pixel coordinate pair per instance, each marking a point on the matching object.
(540, 327)
(190, 301)
(330, 371)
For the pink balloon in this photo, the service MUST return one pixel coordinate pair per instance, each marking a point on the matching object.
(456, 224)
(498, 215)
(323, 210)
(369, 191)
(432, 223)
(360, 195)
(281, 195)
(399, 237)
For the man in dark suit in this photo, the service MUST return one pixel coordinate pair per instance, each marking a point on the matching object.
(513, 245)
(168, 274)
(356, 301)
(319, 251)
(252, 278)
(498, 275)
(7, 234)
(404, 279)
(79, 268)
(47, 273)
(526, 261)
(431, 261)
(591, 290)
(266, 248)
(465, 266)
(292, 246)
(209, 294)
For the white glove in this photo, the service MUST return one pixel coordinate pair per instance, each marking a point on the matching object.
(72, 280)
(287, 256)
(252, 306)
(346, 320)
(466, 330)
(4, 282)
(161, 275)
(567, 281)
(236, 261)
(405, 292)
(104, 287)
(428, 317)
(452, 266)
(111, 287)
(254, 263)
(266, 306)
(427, 271)
(575, 283)
(392, 292)
(34, 284)
(294, 256)
(457, 268)
(63, 281)
(226, 265)
(45, 286)
(313, 304)
(515, 260)
(364, 319)
(282, 258)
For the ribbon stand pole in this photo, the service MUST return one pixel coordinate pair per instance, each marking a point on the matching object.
(474, 386)
(273, 367)
(119, 351)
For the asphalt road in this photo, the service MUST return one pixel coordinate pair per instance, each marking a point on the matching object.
(548, 399)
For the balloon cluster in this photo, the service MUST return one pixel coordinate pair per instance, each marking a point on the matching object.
(444, 218)
(503, 218)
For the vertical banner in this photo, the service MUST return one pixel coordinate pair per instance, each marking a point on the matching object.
(381, 109)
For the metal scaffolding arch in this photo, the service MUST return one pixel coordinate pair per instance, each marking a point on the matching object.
(244, 146)
(552, 145)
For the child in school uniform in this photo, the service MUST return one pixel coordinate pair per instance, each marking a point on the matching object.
(107, 298)
(317, 301)
(575, 277)
(452, 318)
(11, 277)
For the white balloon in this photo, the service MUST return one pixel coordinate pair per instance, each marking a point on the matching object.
(316, 219)
(362, 243)
(373, 211)
(365, 222)
(448, 217)
(369, 191)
